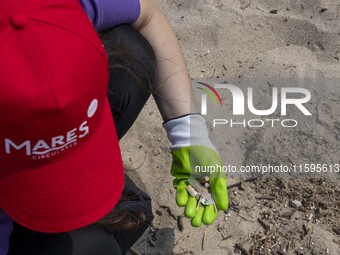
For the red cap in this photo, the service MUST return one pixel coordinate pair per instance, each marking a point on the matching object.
(60, 163)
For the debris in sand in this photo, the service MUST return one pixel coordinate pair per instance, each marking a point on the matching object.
(263, 224)
(168, 209)
(266, 198)
(242, 249)
(203, 240)
(239, 183)
(295, 204)
(134, 251)
(180, 222)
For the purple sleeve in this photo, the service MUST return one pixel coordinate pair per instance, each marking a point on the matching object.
(6, 227)
(106, 14)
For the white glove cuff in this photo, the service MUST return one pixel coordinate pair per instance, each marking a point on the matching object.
(187, 131)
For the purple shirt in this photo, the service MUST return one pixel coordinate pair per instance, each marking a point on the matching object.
(103, 14)
(6, 227)
(106, 14)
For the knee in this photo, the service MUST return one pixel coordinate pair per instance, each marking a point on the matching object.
(93, 239)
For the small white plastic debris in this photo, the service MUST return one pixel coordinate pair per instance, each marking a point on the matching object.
(310, 217)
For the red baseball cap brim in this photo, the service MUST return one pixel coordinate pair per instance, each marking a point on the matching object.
(71, 192)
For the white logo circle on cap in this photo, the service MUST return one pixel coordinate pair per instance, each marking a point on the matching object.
(92, 108)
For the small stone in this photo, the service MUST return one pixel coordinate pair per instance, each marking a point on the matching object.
(296, 204)
(338, 136)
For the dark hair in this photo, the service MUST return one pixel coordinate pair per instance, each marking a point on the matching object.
(119, 218)
(129, 51)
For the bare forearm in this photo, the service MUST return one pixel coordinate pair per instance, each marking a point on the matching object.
(173, 92)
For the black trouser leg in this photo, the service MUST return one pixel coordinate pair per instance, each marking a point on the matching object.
(90, 240)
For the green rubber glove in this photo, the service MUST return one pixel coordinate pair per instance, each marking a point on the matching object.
(195, 162)
(194, 157)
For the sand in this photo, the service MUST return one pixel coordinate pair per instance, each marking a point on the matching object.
(243, 42)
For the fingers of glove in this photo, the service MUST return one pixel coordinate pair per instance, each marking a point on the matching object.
(220, 192)
(190, 208)
(181, 194)
(196, 221)
(209, 214)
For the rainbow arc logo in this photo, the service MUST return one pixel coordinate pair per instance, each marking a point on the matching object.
(212, 93)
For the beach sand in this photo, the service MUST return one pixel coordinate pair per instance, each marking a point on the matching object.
(246, 40)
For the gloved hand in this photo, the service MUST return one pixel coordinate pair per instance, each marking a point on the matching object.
(193, 155)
